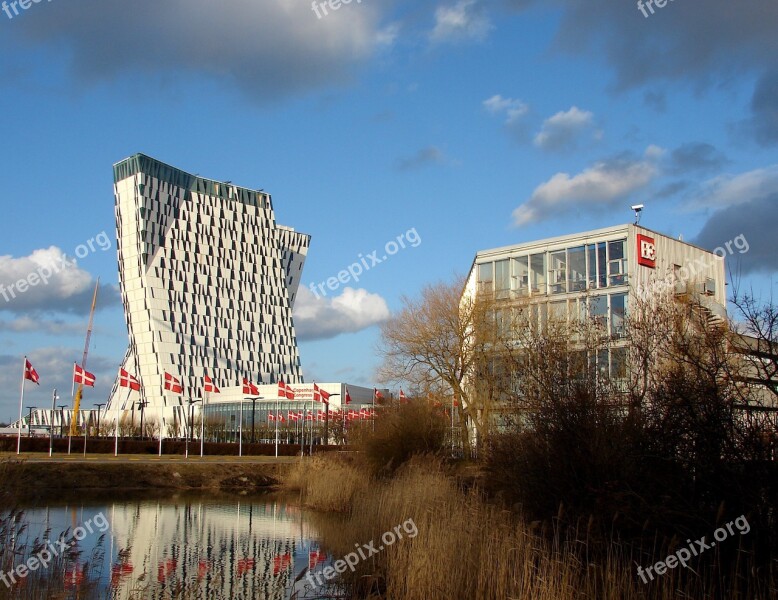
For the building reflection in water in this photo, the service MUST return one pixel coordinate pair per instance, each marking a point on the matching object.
(207, 549)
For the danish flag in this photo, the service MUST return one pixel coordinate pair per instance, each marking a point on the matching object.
(210, 386)
(127, 380)
(82, 376)
(172, 384)
(30, 373)
(284, 391)
(403, 397)
(249, 389)
(319, 395)
(348, 396)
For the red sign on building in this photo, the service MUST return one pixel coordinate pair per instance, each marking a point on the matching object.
(646, 251)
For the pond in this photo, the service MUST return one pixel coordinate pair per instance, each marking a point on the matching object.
(181, 548)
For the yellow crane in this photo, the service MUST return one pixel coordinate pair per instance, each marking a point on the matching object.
(80, 391)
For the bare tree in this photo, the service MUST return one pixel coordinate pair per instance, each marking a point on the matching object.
(440, 343)
(756, 339)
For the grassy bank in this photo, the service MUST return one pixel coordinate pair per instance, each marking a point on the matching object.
(469, 548)
(31, 481)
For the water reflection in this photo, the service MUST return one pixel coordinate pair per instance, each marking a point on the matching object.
(196, 548)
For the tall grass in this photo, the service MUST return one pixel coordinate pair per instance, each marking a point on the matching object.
(471, 549)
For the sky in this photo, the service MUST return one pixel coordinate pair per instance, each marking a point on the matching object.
(453, 125)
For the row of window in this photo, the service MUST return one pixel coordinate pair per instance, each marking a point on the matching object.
(609, 311)
(576, 269)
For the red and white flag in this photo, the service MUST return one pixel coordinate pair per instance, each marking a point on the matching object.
(284, 391)
(315, 557)
(249, 389)
(403, 397)
(82, 376)
(271, 417)
(319, 395)
(377, 396)
(172, 384)
(210, 386)
(127, 380)
(30, 373)
(348, 396)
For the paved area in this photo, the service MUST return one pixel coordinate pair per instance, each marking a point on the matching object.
(146, 459)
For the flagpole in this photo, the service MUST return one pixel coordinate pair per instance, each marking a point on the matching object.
(21, 407)
(302, 434)
(51, 422)
(72, 416)
(276, 425)
(240, 430)
(202, 421)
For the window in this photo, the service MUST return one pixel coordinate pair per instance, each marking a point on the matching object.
(557, 273)
(557, 311)
(618, 314)
(602, 261)
(485, 277)
(617, 263)
(576, 271)
(598, 310)
(537, 268)
(618, 364)
(520, 276)
(591, 256)
(502, 279)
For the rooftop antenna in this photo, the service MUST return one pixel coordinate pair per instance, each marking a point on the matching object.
(638, 208)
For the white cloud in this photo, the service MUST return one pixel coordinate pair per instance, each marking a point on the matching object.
(513, 109)
(728, 190)
(601, 185)
(463, 20)
(50, 281)
(562, 130)
(267, 49)
(323, 317)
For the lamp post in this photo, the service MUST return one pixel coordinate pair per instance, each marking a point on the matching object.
(142, 405)
(253, 410)
(29, 422)
(192, 402)
(327, 420)
(62, 408)
(99, 406)
(54, 399)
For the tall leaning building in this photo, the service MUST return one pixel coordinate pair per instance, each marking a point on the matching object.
(208, 280)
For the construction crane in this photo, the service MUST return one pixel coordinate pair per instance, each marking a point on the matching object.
(80, 391)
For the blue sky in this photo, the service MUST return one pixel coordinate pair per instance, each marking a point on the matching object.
(474, 123)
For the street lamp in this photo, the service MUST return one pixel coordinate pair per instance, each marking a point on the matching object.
(54, 399)
(327, 420)
(142, 404)
(192, 402)
(99, 406)
(62, 408)
(253, 410)
(29, 422)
